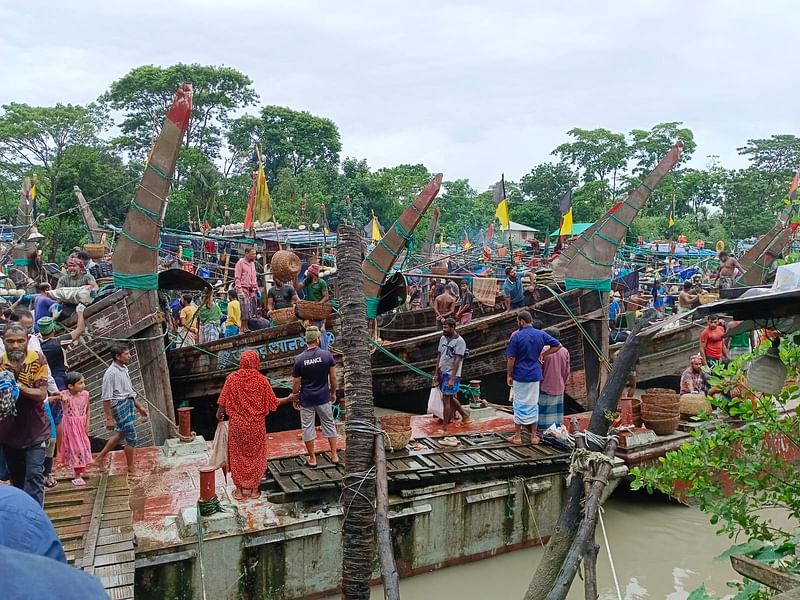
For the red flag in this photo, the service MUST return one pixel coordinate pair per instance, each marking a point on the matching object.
(615, 208)
(248, 216)
(489, 233)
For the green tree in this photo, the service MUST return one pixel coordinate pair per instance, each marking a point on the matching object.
(596, 154)
(35, 139)
(145, 94)
(541, 190)
(748, 206)
(463, 209)
(649, 147)
(290, 138)
(777, 156)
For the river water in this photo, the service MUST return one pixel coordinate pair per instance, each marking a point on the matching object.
(660, 549)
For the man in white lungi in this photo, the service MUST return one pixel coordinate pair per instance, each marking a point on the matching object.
(524, 372)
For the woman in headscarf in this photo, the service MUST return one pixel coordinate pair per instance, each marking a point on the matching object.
(247, 398)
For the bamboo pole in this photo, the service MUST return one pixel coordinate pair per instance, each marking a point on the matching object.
(389, 574)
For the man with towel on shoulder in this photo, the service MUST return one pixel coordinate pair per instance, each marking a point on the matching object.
(524, 372)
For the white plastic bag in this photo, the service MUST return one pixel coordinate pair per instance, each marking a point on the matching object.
(435, 406)
(218, 456)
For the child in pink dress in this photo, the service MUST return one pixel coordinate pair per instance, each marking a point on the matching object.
(76, 451)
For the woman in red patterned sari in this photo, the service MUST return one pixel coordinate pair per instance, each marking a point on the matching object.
(247, 398)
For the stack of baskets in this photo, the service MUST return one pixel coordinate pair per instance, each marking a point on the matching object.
(398, 431)
(661, 410)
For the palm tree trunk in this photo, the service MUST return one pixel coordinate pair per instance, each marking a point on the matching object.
(358, 496)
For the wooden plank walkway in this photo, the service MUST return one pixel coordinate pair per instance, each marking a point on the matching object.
(94, 525)
(479, 456)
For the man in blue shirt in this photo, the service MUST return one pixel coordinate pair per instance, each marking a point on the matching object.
(614, 309)
(524, 372)
(512, 290)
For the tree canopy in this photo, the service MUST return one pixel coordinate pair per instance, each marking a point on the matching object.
(102, 147)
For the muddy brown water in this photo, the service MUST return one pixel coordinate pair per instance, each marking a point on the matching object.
(660, 549)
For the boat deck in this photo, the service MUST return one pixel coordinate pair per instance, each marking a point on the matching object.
(95, 527)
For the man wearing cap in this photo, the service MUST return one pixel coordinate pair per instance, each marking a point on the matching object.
(316, 290)
(693, 379)
(313, 392)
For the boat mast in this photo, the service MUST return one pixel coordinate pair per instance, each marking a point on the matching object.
(95, 233)
(430, 237)
(135, 258)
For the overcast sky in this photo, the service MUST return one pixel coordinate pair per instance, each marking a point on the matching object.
(471, 89)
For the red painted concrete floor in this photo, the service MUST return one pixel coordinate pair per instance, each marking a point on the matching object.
(165, 485)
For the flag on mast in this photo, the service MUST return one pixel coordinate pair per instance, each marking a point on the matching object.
(501, 202)
(671, 215)
(263, 203)
(565, 207)
(376, 229)
(467, 243)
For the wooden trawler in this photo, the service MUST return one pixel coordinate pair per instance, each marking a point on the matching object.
(198, 372)
(584, 267)
(132, 312)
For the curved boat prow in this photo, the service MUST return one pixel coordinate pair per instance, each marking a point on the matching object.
(135, 258)
(379, 262)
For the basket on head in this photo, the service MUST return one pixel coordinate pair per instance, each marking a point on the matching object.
(438, 270)
(398, 430)
(662, 426)
(313, 311)
(707, 298)
(95, 251)
(285, 265)
(283, 315)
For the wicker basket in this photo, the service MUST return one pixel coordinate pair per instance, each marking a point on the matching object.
(285, 265)
(693, 404)
(707, 298)
(283, 315)
(656, 413)
(398, 431)
(439, 271)
(662, 426)
(95, 251)
(313, 311)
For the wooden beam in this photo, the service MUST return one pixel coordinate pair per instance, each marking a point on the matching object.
(764, 574)
(95, 233)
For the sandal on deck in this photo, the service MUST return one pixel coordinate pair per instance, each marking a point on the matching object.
(50, 482)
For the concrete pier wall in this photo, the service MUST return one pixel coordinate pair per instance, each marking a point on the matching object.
(430, 530)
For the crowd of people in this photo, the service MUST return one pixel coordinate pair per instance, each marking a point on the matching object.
(244, 307)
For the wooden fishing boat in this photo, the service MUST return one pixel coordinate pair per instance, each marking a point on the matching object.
(776, 240)
(132, 312)
(198, 372)
(487, 340)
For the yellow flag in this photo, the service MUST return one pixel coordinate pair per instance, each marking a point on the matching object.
(263, 203)
(566, 223)
(376, 230)
(501, 203)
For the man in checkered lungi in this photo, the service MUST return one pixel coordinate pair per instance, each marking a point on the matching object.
(555, 370)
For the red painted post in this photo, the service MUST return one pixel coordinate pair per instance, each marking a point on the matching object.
(185, 421)
(208, 480)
